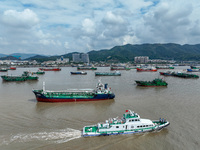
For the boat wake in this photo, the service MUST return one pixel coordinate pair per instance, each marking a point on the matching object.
(59, 136)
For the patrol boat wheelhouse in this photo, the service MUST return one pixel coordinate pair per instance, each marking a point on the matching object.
(130, 123)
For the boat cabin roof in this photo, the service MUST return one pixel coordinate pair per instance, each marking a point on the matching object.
(130, 114)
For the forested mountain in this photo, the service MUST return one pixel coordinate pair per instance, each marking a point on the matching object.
(127, 53)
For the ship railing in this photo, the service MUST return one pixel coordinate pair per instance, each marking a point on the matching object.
(73, 91)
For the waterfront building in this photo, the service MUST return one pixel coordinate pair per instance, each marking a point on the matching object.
(80, 58)
(141, 59)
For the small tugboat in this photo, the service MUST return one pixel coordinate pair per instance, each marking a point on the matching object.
(155, 82)
(86, 68)
(50, 69)
(24, 77)
(79, 73)
(130, 123)
(102, 92)
(152, 69)
(116, 73)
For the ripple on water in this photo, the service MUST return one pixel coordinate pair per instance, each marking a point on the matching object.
(59, 136)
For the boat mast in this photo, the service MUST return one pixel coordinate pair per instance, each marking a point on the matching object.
(43, 86)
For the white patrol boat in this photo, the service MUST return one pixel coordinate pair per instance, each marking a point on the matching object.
(130, 123)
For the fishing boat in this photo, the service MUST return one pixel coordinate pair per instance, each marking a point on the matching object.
(164, 67)
(116, 73)
(3, 69)
(24, 77)
(168, 73)
(195, 67)
(120, 68)
(102, 92)
(78, 73)
(39, 72)
(152, 69)
(12, 68)
(86, 68)
(50, 69)
(193, 70)
(185, 75)
(179, 74)
(130, 123)
(155, 82)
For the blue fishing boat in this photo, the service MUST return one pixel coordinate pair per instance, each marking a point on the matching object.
(79, 73)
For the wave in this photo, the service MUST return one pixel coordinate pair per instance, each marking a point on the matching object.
(59, 136)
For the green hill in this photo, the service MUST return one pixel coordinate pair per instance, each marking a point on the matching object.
(154, 51)
(127, 53)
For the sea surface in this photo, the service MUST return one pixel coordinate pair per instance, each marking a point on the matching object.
(26, 124)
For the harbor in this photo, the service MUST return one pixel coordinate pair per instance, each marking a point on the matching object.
(38, 125)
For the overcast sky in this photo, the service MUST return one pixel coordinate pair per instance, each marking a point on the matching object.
(54, 27)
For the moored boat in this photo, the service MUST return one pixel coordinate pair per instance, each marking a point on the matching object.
(39, 72)
(78, 73)
(102, 92)
(193, 70)
(168, 73)
(195, 67)
(3, 69)
(24, 77)
(12, 68)
(130, 123)
(185, 75)
(116, 73)
(152, 69)
(179, 74)
(50, 69)
(155, 82)
(164, 67)
(119, 68)
(86, 68)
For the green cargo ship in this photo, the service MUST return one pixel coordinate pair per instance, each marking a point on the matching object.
(86, 68)
(24, 77)
(155, 82)
(116, 73)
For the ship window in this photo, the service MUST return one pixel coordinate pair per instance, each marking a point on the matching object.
(117, 126)
(146, 125)
(138, 119)
(138, 126)
(132, 126)
(143, 125)
(133, 120)
(129, 120)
